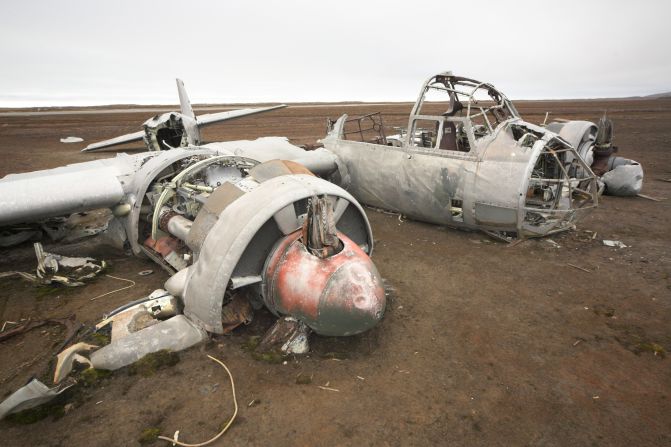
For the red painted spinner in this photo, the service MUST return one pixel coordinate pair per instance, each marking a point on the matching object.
(342, 294)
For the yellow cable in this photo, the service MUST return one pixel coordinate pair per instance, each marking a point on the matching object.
(235, 413)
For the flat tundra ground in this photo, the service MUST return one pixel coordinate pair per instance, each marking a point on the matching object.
(482, 343)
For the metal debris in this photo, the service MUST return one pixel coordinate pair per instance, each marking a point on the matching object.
(289, 335)
(654, 199)
(138, 315)
(594, 143)
(553, 243)
(236, 312)
(71, 272)
(625, 179)
(328, 388)
(579, 268)
(71, 140)
(616, 244)
(66, 359)
(174, 334)
(31, 395)
(4, 325)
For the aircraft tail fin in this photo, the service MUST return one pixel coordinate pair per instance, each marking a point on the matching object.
(185, 104)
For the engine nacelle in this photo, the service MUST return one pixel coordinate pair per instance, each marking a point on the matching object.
(341, 294)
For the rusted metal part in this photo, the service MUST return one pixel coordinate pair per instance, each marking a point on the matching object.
(342, 294)
(276, 168)
(236, 312)
(175, 224)
(164, 218)
(164, 245)
(319, 232)
(600, 163)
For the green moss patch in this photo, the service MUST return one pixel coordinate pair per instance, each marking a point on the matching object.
(150, 363)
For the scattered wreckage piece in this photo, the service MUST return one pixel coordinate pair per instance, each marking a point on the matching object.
(236, 312)
(71, 140)
(174, 334)
(33, 394)
(65, 360)
(616, 244)
(467, 160)
(72, 272)
(58, 229)
(138, 315)
(176, 129)
(594, 143)
(287, 335)
(68, 271)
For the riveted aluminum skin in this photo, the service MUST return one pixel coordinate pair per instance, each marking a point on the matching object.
(339, 295)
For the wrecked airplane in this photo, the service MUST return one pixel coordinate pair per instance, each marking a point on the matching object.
(233, 216)
(468, 160)
(225, 226)
(238, 225)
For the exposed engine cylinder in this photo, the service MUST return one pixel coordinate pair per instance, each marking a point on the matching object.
(341, 294)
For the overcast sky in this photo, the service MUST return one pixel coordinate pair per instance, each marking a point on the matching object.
(93, 52)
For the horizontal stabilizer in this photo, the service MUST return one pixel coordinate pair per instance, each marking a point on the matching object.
(210, 118)
(128, 138)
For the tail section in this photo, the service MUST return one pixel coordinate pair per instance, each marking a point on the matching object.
(185, 104)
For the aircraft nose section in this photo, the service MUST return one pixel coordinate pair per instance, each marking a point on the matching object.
(353, 300)
(339, 295)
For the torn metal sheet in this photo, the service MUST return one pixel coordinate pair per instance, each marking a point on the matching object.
(65, 270)
(31, 395)
(66, 358)
(236, 312)
(625, 179)
(136, 316)
(174, 334)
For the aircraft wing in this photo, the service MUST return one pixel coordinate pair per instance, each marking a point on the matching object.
(211, 118)
(135, 136)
